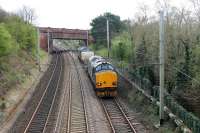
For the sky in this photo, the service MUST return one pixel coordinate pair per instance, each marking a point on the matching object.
(78, 14)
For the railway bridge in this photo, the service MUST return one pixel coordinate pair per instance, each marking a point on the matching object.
(47, 34)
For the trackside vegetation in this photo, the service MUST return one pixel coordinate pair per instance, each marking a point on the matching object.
(18, 40)
(135, 51)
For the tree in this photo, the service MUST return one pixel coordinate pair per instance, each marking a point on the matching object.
(23, 34)
(121, 51)
(122, 47)
(141, 51)
(98, 24)
(5, 41)
(27, 14)
(185, 68)
(3, 15)
(196, 6)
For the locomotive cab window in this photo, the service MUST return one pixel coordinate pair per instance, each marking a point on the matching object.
(110, 67)
(98, 68)
(104, 67)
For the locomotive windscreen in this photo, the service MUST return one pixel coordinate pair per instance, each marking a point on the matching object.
(104, 66)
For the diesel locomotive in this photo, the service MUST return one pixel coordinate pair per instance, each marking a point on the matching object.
(102, 74)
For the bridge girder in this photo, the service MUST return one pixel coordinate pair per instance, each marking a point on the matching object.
(61, 33)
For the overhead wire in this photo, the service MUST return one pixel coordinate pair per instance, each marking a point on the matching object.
(185, 74)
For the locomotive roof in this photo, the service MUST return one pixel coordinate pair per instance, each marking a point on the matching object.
(94, 58)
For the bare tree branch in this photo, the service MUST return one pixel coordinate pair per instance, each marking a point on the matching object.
(27, 14)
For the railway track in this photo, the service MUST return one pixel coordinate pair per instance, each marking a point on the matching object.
(77, 115)
(40, 117)
(53, 113)
(72, 113)
(23, 119)
(117, 117)
(73, 117)
(63, 109)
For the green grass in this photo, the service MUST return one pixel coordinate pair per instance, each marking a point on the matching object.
(43, 54)
(102, 52)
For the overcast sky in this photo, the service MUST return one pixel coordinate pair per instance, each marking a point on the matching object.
(79, 13)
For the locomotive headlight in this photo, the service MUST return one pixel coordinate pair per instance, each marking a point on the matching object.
(114, 83)
(98, 84)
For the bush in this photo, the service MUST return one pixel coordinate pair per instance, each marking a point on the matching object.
(5, 41)
(24, 34)
(122, 47)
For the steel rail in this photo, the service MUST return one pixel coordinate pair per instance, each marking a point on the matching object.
(41, 99)
(69, 106)
(82, 93)
(120, 108)
(63, 105)
(108, 117)
(53, 102)
(109, 112)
